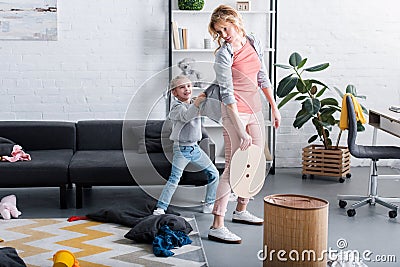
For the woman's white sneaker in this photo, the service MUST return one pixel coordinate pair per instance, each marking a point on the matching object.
(246, 218)
(223, 235)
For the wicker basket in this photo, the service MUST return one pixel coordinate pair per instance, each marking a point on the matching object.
(326, 162)
(298, 226)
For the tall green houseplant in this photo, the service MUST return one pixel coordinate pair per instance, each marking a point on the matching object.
(315, 105)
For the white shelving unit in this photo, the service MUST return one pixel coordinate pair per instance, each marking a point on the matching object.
(260, 20)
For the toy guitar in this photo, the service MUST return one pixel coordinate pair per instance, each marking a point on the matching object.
(248, 171)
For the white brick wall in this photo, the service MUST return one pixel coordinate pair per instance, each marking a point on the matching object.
(361, 41)
(106, 49)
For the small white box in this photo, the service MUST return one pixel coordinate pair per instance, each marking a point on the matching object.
(243, 6)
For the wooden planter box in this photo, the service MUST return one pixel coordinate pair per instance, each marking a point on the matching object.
(326, 162)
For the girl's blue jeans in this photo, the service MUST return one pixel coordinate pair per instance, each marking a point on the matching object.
(182, 156)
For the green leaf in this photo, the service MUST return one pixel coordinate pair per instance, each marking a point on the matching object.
(283, 66)
(331, 120)
(302, 87)
(287, 98)
(361, 97)
(301, 118)
(301, 64)
(338, 91)
(326, 125)
(365, 110)
(329, 101)
(318, 82)
(295, 59)
(351, 89)
(286, 85)
(302, 97)
(327, 110)
(312, 105)
(321, 92)
(312, 139)
(317, 67)
(360, 127)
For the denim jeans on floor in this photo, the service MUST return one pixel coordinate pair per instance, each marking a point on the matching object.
(182, 155)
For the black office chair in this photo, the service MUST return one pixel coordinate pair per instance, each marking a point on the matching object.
(374, 153)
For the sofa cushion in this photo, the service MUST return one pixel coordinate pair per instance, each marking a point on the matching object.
(154, 137)
(100, 167)
(47, 168)
(40, 135)
(99, 135)
(110, 167)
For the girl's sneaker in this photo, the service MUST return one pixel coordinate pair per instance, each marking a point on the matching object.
(158, 211)
(208, 207)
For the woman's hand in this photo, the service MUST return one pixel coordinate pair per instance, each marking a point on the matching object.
(276, 118)
(246, 141)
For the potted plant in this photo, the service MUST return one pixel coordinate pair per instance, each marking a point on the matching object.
(190, 4)
(320, 109)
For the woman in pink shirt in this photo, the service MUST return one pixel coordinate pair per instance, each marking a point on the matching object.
(240, 73)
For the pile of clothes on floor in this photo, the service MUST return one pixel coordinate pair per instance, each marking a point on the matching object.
(164, 232)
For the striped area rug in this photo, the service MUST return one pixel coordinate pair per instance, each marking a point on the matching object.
(94, 244)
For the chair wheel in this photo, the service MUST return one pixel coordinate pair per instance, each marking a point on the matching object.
(392, 214)
(351, 212)
(342, 204)
(348, 175)
(341, 180)
(304, 176)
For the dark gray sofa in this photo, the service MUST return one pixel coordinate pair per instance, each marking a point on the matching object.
(119, 153)
(93, 153)
(51, 145)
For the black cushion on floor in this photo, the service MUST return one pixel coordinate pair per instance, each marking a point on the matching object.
(146, 230)
(9, 258)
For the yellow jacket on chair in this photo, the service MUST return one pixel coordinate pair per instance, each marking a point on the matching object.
(343, 123)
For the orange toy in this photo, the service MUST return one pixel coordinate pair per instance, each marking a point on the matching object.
(64, 258)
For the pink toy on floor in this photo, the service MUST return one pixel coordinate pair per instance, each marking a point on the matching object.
(8, 207)
(16, 155)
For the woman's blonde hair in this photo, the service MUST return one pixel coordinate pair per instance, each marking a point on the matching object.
(224, 13)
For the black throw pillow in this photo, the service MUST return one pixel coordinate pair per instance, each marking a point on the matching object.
(6, 146)
(155, 138)
(146, 230)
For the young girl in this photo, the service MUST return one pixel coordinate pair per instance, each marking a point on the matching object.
(186, 132)
(240, 73)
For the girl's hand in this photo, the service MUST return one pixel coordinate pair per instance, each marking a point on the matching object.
(200, 98)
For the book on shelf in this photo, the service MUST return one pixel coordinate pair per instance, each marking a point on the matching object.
(180, 30)
(184, 38)
(175, 35)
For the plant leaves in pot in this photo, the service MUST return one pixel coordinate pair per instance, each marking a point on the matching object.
(190, 4)
(316, 106)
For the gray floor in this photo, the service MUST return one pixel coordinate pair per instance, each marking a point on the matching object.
(371, 229)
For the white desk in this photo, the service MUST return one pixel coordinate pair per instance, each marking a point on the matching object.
(386, 120)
